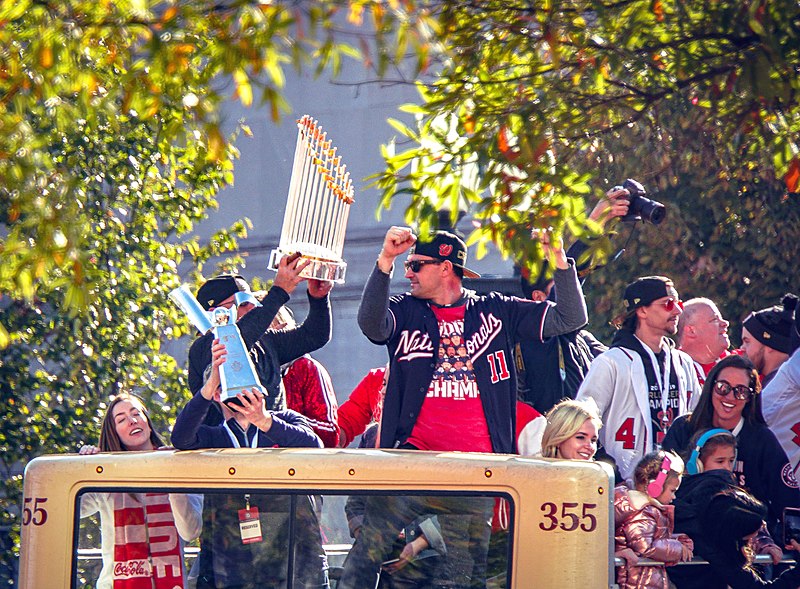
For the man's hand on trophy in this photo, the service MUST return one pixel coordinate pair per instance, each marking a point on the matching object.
(398, 240)
(319, 289)
(252, 407)
(289, 269)
(210, 390)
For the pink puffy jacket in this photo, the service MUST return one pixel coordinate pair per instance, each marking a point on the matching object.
(645, 526)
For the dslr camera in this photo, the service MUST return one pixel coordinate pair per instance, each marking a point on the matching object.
(641, 208)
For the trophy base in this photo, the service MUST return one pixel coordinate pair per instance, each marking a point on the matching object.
(318, 269)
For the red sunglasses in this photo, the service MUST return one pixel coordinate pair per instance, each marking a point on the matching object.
(671, 303)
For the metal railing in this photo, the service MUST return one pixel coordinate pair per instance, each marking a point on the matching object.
(759, 559)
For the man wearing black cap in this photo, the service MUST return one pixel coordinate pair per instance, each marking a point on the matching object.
(268, 349)
(780, 399)
(432, 405)
(641, 384)
(766, 337)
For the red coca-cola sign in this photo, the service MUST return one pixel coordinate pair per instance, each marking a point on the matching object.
(132, 568)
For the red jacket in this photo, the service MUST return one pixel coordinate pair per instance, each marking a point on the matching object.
(362, 408)
(309, 392)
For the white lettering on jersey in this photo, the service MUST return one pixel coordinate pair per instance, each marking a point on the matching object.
(414, 344)
(478, 342)
(456, 390)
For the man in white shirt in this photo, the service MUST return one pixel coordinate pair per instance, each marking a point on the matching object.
(641, 384)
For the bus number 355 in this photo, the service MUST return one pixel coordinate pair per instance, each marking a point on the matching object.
(568, 518)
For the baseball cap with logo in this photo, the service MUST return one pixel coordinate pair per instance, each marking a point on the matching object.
(643, 291)
(446, 246)
(217, 289)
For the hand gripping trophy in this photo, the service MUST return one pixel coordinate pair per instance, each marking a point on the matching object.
(320, 195)
(238, 372)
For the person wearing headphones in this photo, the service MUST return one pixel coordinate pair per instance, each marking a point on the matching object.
(710, 468)
(646, 521)
(731, 400)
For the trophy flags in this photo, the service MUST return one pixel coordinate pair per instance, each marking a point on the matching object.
(318, 206)
(238, 372)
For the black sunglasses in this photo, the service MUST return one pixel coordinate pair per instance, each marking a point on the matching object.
(741, 392)
(416, 265)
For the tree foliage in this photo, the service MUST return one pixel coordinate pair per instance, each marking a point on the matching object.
(166, 65)
(531, 104)
(111, 150)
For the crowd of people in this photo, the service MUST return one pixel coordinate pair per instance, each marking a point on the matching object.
(499, 374)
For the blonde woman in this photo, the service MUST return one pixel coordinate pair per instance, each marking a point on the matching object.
(571, 430)
(571, 434)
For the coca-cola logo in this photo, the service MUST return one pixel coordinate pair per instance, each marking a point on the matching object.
(132, 568)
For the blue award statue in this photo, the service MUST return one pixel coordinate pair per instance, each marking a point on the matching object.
(238, 372)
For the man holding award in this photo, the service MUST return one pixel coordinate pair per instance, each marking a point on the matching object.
(267, 349)
(244, 534)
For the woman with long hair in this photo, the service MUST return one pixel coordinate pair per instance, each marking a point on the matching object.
(731, 400)
(138, 528)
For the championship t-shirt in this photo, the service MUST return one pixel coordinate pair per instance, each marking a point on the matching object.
(452, 416)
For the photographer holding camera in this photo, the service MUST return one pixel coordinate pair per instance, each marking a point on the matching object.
(641, 208)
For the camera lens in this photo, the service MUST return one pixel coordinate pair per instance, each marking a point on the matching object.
(652, 211)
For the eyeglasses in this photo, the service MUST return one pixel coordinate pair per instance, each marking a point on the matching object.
(740, 392)
(416, 265)
(671, 303)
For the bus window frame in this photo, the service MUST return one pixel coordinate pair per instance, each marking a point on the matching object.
(484, 492)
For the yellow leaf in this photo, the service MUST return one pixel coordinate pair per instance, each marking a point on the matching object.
(243, 89)
(356, 15)
(4, 338)
(46, 56)
(216, 145)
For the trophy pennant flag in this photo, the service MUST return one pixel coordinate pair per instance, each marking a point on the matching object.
(318, 206)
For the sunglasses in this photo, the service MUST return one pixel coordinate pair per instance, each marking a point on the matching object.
(671, 303)
(740, 392)
(416, 265)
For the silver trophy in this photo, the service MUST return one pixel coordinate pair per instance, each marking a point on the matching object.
(318, 206)
(238, 372)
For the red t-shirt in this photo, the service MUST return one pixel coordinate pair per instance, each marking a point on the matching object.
(452, 416)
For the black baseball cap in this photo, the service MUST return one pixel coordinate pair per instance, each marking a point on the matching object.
(643, 291)
(446, 246)
(217, 289)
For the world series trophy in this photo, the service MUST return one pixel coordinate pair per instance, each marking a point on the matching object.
(238, 372)
(317, 208)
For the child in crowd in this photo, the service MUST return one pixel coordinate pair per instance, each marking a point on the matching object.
(644, 521)
(729, 525)
(710, 467)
